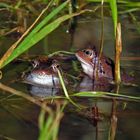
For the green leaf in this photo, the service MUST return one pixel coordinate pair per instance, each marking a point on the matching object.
(96, 0)
(113, 6)
(24, 45)
(4, 5)
(37, 37)
(41, 119)
(100, 94)
(45, 21)
(44, 132)
(89, 94)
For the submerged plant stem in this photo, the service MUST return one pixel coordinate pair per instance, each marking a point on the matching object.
(118, 51)
(114, 119)
(25, 96)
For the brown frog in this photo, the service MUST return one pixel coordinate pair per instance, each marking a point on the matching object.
(94, 66)
(100, 68)
(44, 74)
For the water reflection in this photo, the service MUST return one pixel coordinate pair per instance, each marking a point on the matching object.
(79, 126)
(88, 84)
(43, 92)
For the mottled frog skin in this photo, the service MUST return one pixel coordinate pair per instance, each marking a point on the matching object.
(93, 66)
(99, 68)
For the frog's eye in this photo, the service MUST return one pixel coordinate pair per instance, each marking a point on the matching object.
(88, 52)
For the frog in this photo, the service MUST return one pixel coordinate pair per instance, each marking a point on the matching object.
(95, 66)
(44, 73)
(99, 67)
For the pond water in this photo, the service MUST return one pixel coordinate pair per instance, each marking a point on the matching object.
(18, 117)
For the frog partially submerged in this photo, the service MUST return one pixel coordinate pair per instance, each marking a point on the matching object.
(100, 68)
(44, 73)
(90, 61)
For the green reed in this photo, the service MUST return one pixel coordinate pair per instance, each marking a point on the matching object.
(121, 7)
(49, 122)
(48, 128)
(34, 34)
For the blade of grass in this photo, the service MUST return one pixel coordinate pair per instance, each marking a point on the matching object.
(129, 10)
(132, 4)
(53, 130)
(35, 30)
(46, 20)
(113, 6)
(52, 122)
(37, 37)
(135, 22)
(59, 116)
(100, 94)
(5, 5)
(44, 132)
(11, 49)
(41, 119)
(128, 2)
(89, 94)
(63, 84)
(65, 90)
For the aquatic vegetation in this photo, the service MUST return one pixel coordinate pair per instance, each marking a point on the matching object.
(35, 35)
(54, 14)
(120, 7)
(49, 127)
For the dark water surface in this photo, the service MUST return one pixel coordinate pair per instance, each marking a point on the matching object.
(18, 117)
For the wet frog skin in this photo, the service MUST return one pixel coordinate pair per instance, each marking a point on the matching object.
(93, 66)
(43, 74)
